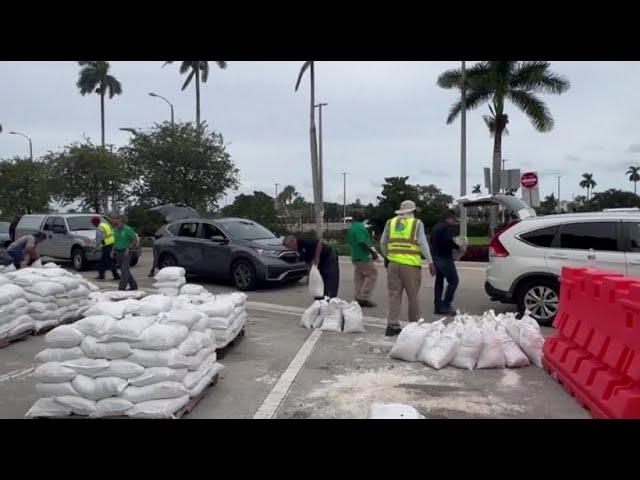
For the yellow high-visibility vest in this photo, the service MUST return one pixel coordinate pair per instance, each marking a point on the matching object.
(403, 247)
(109, 237)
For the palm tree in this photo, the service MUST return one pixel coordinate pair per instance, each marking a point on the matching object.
(286, 197)
(498, 81)
(634, 176)
(198, 69)
(94, 78)
(588, 182)
(317, 193)
(476, 189)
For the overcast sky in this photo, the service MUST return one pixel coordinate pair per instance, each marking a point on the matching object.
(383, 119)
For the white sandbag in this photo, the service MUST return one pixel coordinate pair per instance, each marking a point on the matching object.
(434, 332)
(111, 407)
(155, 391)
(159, 358)
(119, 368)
(310, 314)
(316, 283)
(37, 264)
(46, 288)
(95, 325)
(192, 379)
(79, 292)
(165, 408)
(69, 284)
(48, 407)
(353, 318)
(98, 388)
(78, 405)
(24, 324)
(45, 316)
(56, 389)
(51, 265)
(113, 309)
(513, 356)
(28, 280)
(333, 317)
(10, 292)
(64, 336)
(54, 274)
(471, 342)
(393, 411)
(19, 312)
(5, 328)
(188, 318)
(492, 354)
(221, 307)
(111, 350)
(531, 342)
(86, 366)
(158, 375)
(319, 320)
(129, 329)
(119, 295)
(168, 274)
(193, 343)
(192, 289)
(409, 342)
(154, 304)
(59, 354)
(196, 360)
(31, 297)
(171, 283)
(54, 372)
(39, 307)
(200, 387)
(202, 324)
(443, 351)
(169, 292)
(162, 337)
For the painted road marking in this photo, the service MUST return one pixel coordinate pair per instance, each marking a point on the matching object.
(16, 374)
(278, 393)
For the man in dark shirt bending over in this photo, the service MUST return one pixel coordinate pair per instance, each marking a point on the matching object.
(442, 246)
(314, 252)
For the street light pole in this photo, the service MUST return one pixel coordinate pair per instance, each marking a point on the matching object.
(30, 144)
(320, 174)
(559, 210)
(275, 199)
(463, 149)
(344, 192)
(151, 94)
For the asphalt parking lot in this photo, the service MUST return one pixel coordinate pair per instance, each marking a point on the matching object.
(280, 370)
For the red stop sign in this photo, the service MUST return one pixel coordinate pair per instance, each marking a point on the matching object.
(529, 180)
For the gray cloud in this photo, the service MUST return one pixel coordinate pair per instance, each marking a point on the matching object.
(633, 148)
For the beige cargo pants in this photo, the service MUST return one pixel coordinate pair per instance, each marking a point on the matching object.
(403, 278)
(365, 275)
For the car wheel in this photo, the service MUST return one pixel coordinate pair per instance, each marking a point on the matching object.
(541, 298)
(79, 260)
(167, 260)
(134, 261)
(243, 275)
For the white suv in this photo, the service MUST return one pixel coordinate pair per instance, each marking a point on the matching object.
(526, 259)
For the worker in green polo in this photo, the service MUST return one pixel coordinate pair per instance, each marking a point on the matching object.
(363, 255)
(125, 239)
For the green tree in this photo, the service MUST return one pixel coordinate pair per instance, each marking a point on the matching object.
(86, 173)
(199, 70)
(286, 197)
(589, 183)
(258, 207)
(143, 220)
(179, 164)
(614, 198)
(634, 176)
(549, 205)
(24, 187)
(498, 81)
(94, 78)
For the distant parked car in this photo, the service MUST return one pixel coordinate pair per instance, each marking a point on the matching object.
(5, 238)
(235, 249)
(69, 237)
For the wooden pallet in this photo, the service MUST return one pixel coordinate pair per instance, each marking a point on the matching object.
(6, 341)
(221, 352)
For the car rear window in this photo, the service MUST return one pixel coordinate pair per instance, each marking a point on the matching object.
(80, 223)
(601, 236)
(542, 237)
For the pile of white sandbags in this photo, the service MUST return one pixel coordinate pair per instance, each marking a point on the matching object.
(14, 312)
(334, 315)
(169, 280)
(138, 358)
(53, 295)
(468, 342)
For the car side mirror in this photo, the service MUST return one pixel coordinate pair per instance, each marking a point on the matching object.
(59, 229)
(218, 239)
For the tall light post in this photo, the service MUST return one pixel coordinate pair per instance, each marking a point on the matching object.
(344, 193)
(275, 199)
(151, 94)
(30, 144)
(463, 149)
(559, 209)
(320, 175)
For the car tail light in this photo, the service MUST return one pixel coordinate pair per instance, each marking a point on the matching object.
(158, 234)
(496, 248)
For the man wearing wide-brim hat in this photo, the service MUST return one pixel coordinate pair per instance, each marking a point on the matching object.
(404, 244)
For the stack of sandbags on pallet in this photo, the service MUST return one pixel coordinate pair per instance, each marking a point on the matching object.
(141, 359)
(14, 314)
(169, 280)
(334, 315)
(469, 342)
(54, 295)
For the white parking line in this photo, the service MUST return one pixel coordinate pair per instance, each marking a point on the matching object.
(278, 393)
(16, 374)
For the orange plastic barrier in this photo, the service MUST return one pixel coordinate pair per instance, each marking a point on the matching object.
(596, 352)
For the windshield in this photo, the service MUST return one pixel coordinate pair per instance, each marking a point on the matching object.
(4, 227)
(80, 223)
(247, 230)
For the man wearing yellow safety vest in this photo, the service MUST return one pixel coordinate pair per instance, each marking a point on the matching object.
(105, 240)
(403, 243)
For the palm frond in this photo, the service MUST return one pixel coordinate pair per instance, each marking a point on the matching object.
(536, 76)
(113, 86)
(304, 68)
(473, 99)
(490, 122)
(221, 64)
(188, 80)
(535, 109)
(185, 67)
(204, 70)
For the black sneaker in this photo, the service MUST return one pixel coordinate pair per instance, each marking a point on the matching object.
(366, 304)
(116, 277)
(392, 331)
(448, 312)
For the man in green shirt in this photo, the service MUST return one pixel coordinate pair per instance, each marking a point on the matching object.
(362, 256)
(125, 239)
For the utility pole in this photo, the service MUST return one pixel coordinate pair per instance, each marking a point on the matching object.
(344, 187)
(275, 199)
(559, 209)
(320, 165)
(463, 149)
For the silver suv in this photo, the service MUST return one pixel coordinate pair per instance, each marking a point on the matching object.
(69, 237)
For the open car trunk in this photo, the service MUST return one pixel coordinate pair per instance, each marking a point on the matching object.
(512, 204)
(175, 211)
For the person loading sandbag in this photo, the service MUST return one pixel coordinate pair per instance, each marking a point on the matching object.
(23, 251)
(315, 252)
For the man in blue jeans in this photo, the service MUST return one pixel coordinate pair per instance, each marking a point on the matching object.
(442, 246)
(23, 251)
